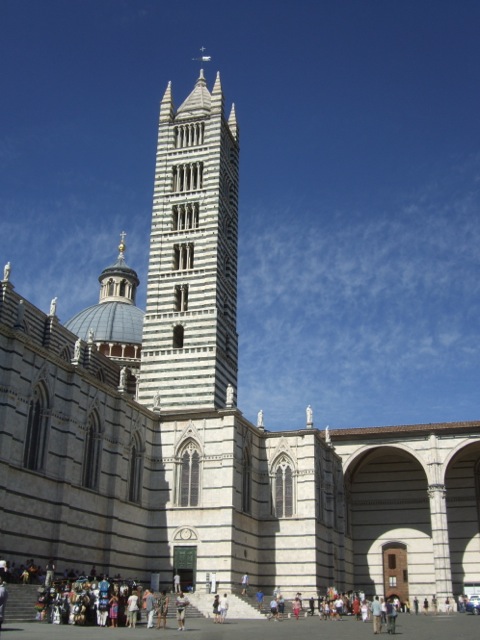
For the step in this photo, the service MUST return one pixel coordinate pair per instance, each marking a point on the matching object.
(238, 607)
(22, 599)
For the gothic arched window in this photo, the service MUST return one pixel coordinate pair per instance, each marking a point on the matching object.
(319, 493)
(283, 489)
(37, 430)
(91, 455)
(189, 476)
(135, 470)
(246, 483)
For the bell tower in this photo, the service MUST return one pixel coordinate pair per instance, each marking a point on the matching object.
(190, 342)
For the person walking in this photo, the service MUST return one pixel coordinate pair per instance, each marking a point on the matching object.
(259, 597)
(357, 608)
(3, 600)
(391, 616)
(274, 609)
(176, 583)
(50, 573)
(377, 615)
(245, 584)
(162, 610)
(415, 605)
(425, 607)
(223, 608)
(216, 612)
(297, 607)
(281, 606)
(181, 603)
(113, 611)
(149, 606)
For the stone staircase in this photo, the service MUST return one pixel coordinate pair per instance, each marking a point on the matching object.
(242, 607)
(22, 598)
(21, 602)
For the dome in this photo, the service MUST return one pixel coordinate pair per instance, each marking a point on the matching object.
(117, 322)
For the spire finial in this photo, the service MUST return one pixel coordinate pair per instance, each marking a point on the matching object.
(203, 57)
(122, 246)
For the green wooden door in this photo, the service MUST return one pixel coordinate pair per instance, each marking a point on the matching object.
(185, 562)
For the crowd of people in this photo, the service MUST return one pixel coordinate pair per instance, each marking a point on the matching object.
(32, 572)
(334, 606)
(87, 600)
(108, 603)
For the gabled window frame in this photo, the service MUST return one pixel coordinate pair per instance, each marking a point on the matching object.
(36, 436)
(92, 453)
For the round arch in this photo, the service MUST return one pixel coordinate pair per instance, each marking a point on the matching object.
(356, 455)
(461, 479)
(388, 519)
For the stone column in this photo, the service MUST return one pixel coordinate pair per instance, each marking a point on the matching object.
(441, 548)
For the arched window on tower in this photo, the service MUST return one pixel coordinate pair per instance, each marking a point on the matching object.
(123, 288)
(189, 476)
(178, 335)
(246, 482)
(111, 287)
(37, 430)
(135, 470)
(283, 488)
(181, 297)
(183, 256)
(91, 454)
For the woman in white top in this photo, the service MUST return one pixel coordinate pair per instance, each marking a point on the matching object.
(223, 608)
(132, 608)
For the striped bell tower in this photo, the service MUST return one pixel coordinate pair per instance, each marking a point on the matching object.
(190, 342)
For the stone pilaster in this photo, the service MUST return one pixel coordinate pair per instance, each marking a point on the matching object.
(441, 547)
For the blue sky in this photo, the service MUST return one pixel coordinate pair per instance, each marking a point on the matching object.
(359, 287)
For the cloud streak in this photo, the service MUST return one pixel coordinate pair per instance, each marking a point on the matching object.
(339, 311)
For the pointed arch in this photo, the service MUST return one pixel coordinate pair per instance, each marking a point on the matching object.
(37, 429)
(246, 481)
(92, 451)
(188, 474)
(283, 487)
(65, 353)
(135, 471)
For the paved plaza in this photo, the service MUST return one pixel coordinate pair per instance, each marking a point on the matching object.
(441, 627)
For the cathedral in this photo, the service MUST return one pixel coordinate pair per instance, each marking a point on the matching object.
(122, 446)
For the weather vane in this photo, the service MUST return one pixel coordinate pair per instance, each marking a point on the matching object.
(203, 58)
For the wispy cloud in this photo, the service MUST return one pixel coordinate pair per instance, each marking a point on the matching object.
(336, 312)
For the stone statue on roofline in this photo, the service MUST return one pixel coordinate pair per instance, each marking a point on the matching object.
(260, 423)
(77, 349)
(156, 402)
(229, 394)
(6, 272)
(123, 378)
(53, 307)
(309, 412)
